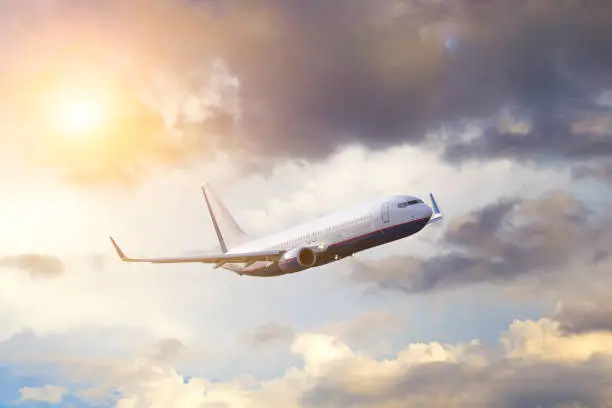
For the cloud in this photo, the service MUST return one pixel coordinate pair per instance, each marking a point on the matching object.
(270, 333)
(70, 305)
(382, 74)
(504, 241)
(437, 374)
(48, 393)
(98, 378)
(586, 315)
(537, 365)
(402, 168)
(145, 106)
(36, 265)
(301, 80)
(598, 171)
(135, 136)
(96, 312)
(549, 139)
(364, 330)
(168, 350)
(371, 330)
(363, 325)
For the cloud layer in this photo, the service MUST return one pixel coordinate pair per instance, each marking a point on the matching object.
(505, 241)
(325, 103)
(302, 80)
(536, 365)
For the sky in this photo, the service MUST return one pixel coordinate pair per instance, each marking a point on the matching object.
(113, 114)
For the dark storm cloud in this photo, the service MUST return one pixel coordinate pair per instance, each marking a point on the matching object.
(501, 242)
(317, 75)
(501, 384)
(357, 71)
(551, 139)
(602, 172)
(586, 316)
(36, 265)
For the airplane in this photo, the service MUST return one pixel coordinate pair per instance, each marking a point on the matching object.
(315, 243)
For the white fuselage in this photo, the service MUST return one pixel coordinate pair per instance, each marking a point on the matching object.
(309, 245)
(340, 234)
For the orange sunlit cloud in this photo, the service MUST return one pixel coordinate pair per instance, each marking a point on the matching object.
(92, 124)
(98, 128)
(75, 91)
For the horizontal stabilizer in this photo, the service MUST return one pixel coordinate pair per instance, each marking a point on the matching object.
(269, 256)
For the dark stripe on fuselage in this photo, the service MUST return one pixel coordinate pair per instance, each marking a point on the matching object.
(352, 245)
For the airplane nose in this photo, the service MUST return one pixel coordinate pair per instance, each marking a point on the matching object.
(427, 211)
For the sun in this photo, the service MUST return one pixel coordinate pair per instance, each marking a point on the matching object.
(77, 107)
(78, 113)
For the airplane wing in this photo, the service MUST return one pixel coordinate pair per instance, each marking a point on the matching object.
(212, 259)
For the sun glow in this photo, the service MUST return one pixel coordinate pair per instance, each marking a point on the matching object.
(76, 105)
(78, 114)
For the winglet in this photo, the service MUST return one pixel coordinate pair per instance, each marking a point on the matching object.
(119, 251)
(437, 214)
(434, 204)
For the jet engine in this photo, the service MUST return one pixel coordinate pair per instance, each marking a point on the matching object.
(297, 259)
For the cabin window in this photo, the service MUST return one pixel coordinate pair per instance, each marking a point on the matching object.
(403, 204)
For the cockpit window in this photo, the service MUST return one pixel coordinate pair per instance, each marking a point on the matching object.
(403, 204)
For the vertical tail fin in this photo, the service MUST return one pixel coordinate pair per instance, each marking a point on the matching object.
(228, 231)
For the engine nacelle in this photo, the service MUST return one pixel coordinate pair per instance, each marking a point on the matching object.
(297, 259)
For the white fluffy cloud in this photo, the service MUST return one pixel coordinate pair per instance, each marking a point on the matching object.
(208, 309)
(543, 340)
(333, 375)
(48, 393)
(168, 216)
(356, 174)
